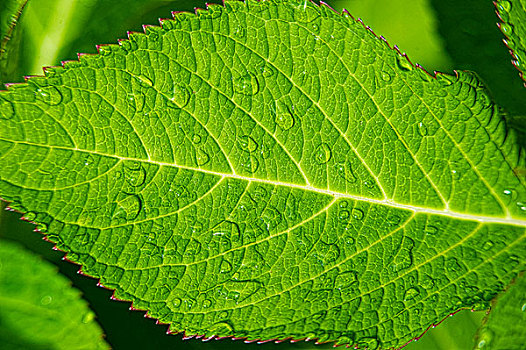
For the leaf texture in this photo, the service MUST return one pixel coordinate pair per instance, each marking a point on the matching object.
(38, 307)
(270, 170)
(503, 328)
(513, 16)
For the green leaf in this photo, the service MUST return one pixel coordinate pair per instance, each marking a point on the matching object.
(503, 328)
(270, 170)
(513, 15)
(10, 12)
(38, 307)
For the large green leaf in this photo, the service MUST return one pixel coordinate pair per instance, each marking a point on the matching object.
(504, 329)
(270, 170)
(513, 15)
(38, 307)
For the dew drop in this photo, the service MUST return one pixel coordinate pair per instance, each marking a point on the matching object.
(344, 340)
(485, 338)
(357, 214)
(127, 208)
(411, 293)
(226, 267)
(134, 173)
(386, 76)
(431, 230)
(285, 120)
(247, 143)
(507, 192)
(30, 216)
(422, 129)
(521, 205)
(196, 139)
(368, 343)
(523, 308)
(250, 163)
(246, 85)
(239, 32)
(504, 6)
(145, 81)
(506, 28)
(344, 215)
(345, 170)
(207, 303)
(50, 95)
(202, 158)
(403, 63)
(265, 151)
(322, 154)
(46, 300)
(7, 110)
(88, 317)
(180, 95)
(487, 245)
(221, 329)
(393, 220)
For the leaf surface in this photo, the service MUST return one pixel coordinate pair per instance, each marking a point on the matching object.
(270, 170)
(504, 327)
(513, 15)
(38, 307)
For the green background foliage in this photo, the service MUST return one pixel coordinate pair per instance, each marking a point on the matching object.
(73, 38)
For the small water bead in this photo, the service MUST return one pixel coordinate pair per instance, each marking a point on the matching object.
(246, 85)
(247, 143)
(485, 338)
(201, 157)
(196, 139)
(180, 95)
(521, 205)
(285, 120)
(30, 216)
(322, 154)
(386, 77)
(504, 6)
(207, 303)
(46, 300)
(344, 215)
(221, 329)
(507, 192)
(306, 14)
(50, 95)
(7, 111)
(226, 267)
(134, 173)
(344, 204)
(357, 214)
(345, 279)
(523, 308)
(403, 63)
(250, 163)
(445, 79)
(488, 245)
(422, 129)
(393, 220)
(431, 230)
(239, 32)
(88, 317)
(411, 293)
(346, 171)
(506, 28)
(127, 208)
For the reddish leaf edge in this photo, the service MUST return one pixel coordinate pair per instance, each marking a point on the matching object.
(515, 59)
(65, 64)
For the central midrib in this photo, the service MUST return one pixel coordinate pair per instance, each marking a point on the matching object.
(334, 194)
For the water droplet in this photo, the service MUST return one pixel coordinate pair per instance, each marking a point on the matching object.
(345, 279)
(180, 95)
(177, 302)
(247, 143)
(507, 192)
(127, 208)
(30, 216)
(88, 317)
(223, 315)
(226, 266)
(305, 14)
(344, 340)
(134, 173)
(46, 300)
(487, 245)
(7, 110)
(145, 81)
(523, 308)
(196, 139)
(285, 120)
(431, 230)
(322, 154)
(506, 28)
(485, 338)
(50, 95)
(422, 129)
(357, 214)
(504, 6)
(368, 343)
(250, 163)
(344, 215)
(264, 151)
(424, 75)
(239, 32)
(403, 63)
(207, 303)
(411, 293)
(522, 206)
(445, 79)
(128, 45)
(202, 157)
(42, 228)
(345, 170)
(222, 329)
(344, 204)
(386, 76)
(246, 85)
